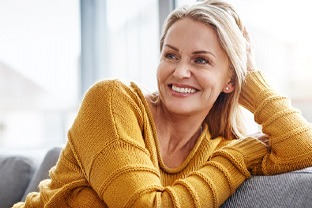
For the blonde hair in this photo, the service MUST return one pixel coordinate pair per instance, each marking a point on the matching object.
(224, 118)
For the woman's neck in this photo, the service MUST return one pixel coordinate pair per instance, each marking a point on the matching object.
(177, 135)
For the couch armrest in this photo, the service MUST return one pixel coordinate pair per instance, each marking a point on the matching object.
(293, 189)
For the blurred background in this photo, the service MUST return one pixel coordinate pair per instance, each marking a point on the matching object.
(52, 51)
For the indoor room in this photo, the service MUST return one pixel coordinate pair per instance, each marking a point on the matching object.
(53, 51)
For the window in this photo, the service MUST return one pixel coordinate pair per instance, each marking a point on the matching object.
(39, 72)
(120, 40)
(133, 49)
(282, 39)
(179, 3)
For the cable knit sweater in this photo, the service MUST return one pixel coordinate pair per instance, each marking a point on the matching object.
(112, 157)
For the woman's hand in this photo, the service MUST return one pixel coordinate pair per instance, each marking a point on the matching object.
(251, 61)
(262, 137)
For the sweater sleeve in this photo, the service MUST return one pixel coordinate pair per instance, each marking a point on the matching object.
(290, 135)
(107, 138)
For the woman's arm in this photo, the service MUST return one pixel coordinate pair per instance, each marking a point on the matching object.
(290, 135)
(108, 140)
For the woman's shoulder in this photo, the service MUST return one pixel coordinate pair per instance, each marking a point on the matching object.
(114, 94)
(107, 85)
(113, 87)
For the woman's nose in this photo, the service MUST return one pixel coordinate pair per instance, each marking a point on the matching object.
(182, 70)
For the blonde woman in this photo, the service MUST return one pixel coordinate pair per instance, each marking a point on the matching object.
(183, 146)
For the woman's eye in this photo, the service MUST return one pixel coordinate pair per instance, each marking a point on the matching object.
(200, 60)
(170, 56)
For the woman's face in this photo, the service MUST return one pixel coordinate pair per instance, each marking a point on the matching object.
(193, 69)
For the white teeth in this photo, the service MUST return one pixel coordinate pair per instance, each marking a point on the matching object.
(182, 90)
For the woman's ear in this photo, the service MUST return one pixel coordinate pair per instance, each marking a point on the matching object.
(229, 88)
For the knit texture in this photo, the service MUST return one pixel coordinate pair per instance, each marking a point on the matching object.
(290, 134)
(112, 156)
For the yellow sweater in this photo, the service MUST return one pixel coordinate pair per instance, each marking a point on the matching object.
(112, 156)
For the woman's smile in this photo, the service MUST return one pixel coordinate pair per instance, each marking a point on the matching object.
(181, 89)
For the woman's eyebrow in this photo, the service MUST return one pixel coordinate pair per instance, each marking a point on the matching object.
(205, 52)
(195, 52)
(172, 47)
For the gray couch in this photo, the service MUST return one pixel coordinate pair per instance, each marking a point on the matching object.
(19, 176)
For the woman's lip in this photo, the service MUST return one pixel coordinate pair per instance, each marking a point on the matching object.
(183, 89)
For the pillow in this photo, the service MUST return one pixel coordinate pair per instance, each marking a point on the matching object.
(15, 174)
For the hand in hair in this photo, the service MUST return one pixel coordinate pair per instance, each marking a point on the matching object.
(261, 136)
(251, 61)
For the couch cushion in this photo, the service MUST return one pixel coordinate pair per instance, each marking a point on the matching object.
(42, 173)
(292, 189)
(15, 174)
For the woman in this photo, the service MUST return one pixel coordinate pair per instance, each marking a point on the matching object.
(183, 146)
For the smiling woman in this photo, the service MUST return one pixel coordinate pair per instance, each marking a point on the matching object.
(186, 82)
(198, 63)
(189, 148)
